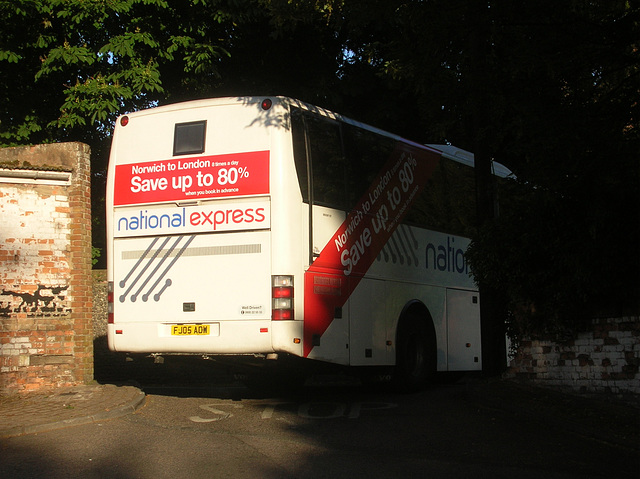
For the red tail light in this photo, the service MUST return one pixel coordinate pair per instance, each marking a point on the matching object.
(110, 302)
(282, 297)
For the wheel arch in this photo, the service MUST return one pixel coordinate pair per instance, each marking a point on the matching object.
(416, 347)
(417, 309)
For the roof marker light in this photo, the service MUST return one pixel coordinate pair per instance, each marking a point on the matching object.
(124, 121)
(266, 104)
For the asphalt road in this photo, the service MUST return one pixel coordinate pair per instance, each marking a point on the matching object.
(198, 421)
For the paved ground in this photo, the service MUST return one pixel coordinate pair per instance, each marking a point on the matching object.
(610, 420)
(474, 428)
(66, 407)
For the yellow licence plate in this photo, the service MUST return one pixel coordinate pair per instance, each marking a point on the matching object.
(190, 329)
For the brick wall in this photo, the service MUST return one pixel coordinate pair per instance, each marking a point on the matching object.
(46, 337)
(605, 359)
(100, 307)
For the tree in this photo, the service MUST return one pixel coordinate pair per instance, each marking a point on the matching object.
(549, 88)
(69, 67)
(568, 88)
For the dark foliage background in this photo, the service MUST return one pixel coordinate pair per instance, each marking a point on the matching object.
(548, 88)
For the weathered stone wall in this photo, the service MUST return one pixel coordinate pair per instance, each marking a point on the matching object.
(100, 307)
(46, 293)
(605, 359)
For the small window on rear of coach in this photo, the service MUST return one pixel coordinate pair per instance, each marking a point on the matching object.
(188, 138)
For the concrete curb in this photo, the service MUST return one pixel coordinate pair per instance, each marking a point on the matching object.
(125, 400)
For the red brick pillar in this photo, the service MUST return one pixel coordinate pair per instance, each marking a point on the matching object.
(46, 298)
(81, 281)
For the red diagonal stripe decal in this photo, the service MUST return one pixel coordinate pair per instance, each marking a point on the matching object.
(354, 246)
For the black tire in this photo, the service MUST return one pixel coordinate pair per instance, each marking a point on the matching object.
(415, 354)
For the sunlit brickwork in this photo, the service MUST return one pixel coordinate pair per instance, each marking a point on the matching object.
(45, 267)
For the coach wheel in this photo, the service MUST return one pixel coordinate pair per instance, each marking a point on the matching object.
(415, 355)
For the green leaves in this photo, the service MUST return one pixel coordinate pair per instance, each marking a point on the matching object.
(9, 56)
(60, 57)
(20, 133)
(202, 57)
(94, 99)
(96, 58)
(127, 44)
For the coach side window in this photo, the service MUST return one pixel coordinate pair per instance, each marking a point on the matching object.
(300, 152)
(366, 153)
(327, 162)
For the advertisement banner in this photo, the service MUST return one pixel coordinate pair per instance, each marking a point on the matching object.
(180, 179)
(356, 244)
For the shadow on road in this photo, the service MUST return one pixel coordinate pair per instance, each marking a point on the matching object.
(604, 418)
